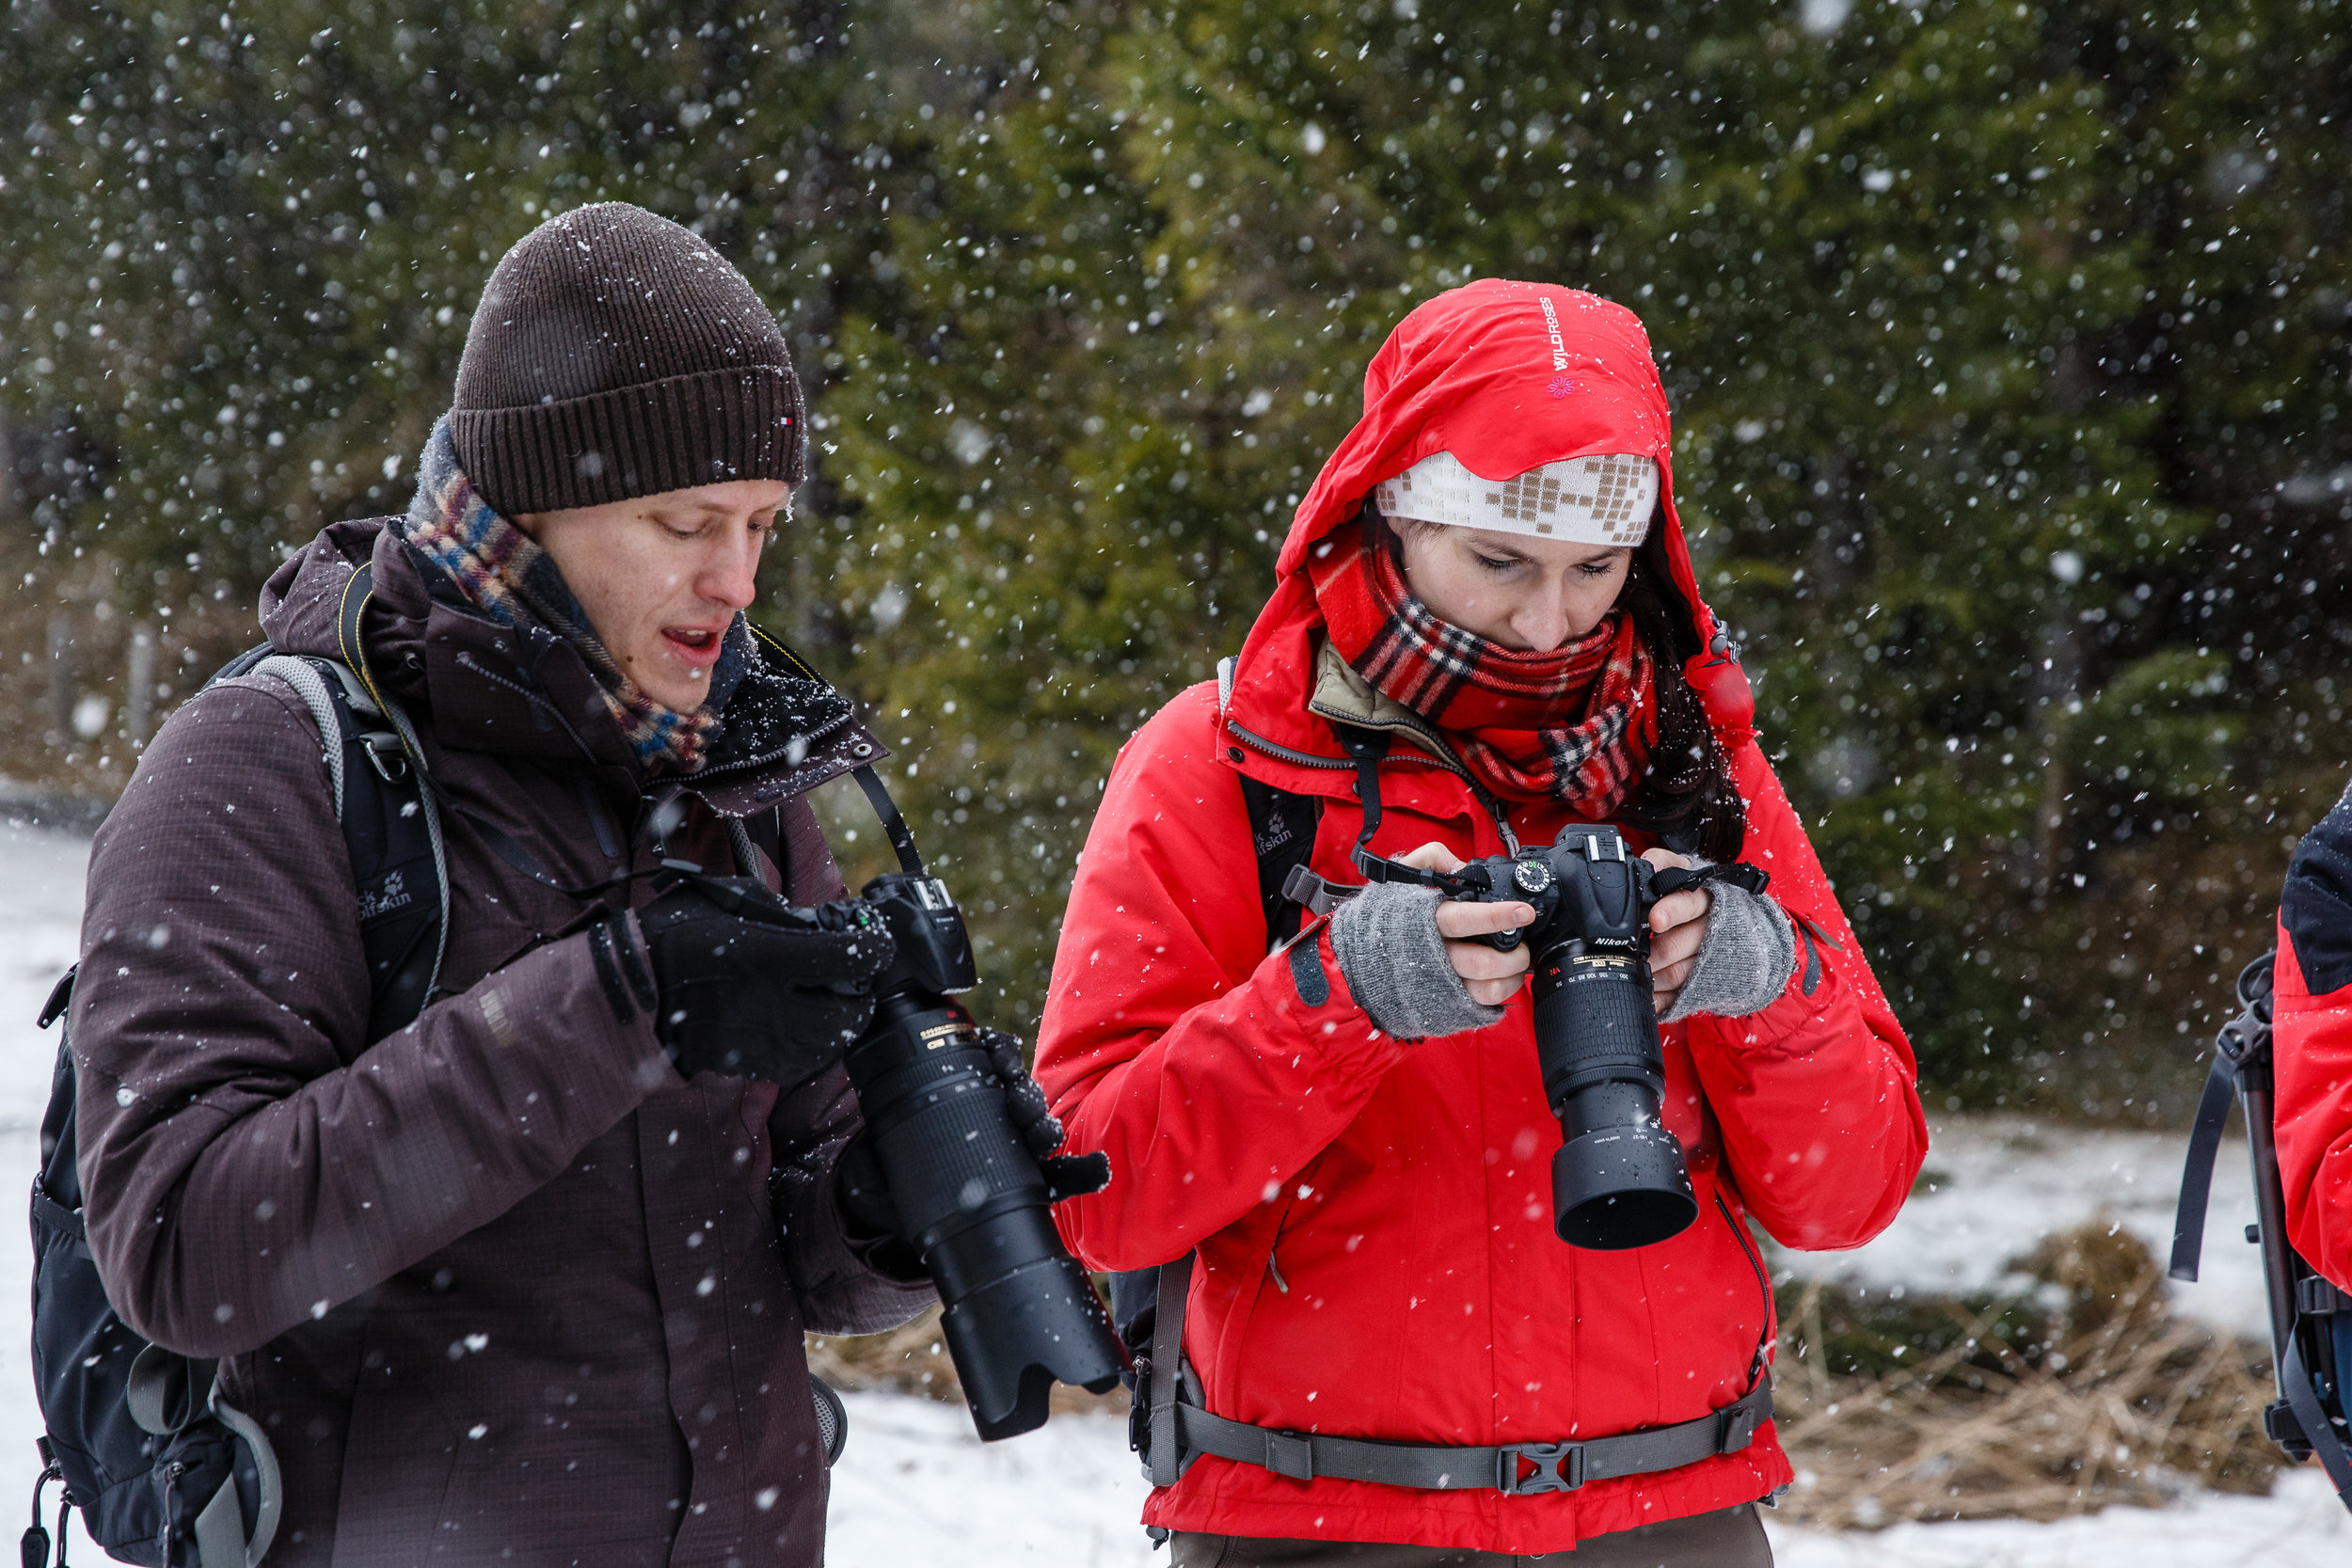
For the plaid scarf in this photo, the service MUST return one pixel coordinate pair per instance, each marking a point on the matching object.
(508, 577)
(1574, 725)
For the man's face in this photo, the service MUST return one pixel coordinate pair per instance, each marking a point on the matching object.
(663, 577)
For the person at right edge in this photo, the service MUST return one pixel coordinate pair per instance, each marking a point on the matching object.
(2310, 1050)
(1351, 1133)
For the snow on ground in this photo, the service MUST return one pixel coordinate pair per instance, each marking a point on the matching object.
(2300, 1524)
(2001, 1183)
(916, 1485)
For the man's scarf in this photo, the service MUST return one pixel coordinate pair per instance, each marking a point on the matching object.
(1575, 725)
(508, 577)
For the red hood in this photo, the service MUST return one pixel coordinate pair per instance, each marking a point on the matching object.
(1505, 376)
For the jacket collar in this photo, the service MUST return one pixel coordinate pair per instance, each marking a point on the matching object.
(522, 691)
(1344, 697)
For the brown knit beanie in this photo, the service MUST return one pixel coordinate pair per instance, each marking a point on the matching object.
(614, 354)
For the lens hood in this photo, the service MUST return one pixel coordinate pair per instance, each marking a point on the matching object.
(1015, 1337)
(1620, 1187)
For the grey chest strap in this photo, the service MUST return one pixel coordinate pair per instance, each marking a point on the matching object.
(1182, 1431)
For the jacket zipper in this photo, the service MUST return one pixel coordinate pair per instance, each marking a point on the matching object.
(1303, 759)
(172, 1472)
(1747, 1250)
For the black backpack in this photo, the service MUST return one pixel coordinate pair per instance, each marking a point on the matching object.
(165, 1473)
(2311, 1321)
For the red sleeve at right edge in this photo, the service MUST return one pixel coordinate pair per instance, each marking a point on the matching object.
(2312, 1046)
(2311, 1117)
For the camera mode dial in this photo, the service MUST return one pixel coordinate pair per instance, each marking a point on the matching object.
(1531, 876)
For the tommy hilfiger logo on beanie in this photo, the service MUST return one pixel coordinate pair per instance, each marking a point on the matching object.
(616, 354)
(1602, 500)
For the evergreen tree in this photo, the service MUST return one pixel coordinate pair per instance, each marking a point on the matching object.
(2007, 346)
(1912, 279)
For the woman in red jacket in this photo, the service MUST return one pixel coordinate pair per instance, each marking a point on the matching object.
(1350, 1133)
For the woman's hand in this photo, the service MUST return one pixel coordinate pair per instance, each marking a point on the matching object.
(1677, 925)
(1491, 978)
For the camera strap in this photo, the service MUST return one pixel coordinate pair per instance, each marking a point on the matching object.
(1739, 874)
(1366, 747)
(894, 821)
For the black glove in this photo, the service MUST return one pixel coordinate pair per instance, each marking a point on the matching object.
(1066, 1175)
(865, 1193)
(873, 1230)
(755, 987)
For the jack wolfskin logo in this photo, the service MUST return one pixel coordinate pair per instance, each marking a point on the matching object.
(392, 894)
(1278, 832)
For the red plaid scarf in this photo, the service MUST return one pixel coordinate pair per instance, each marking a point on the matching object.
(1575, 725)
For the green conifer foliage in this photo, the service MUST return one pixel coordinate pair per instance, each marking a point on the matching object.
(2007, 346)
(1911, 279)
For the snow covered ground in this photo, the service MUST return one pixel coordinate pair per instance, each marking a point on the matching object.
(2000, 1184)
(917, 1486)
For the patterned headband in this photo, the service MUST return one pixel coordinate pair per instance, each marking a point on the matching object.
(1604, 499)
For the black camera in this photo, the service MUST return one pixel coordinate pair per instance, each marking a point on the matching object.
(972, 1198)
(1619, 1179)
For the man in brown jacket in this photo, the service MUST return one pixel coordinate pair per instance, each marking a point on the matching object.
(525, 1281)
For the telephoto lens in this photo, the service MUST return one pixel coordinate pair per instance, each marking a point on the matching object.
(1019, 1312)
(1619, 1179)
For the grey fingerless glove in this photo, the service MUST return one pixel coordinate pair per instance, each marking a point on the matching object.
(1745, 960)
(1386, 939)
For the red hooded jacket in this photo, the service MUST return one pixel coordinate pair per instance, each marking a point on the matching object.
(2311, 1045)
(1373, 1219)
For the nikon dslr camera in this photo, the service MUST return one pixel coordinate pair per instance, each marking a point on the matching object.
(1619, 1181)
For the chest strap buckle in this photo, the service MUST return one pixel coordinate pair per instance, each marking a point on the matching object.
(1559, 1467)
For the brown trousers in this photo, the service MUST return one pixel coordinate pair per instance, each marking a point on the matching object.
(1729, 1538)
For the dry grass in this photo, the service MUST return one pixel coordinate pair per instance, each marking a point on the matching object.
(2074, 1391)
(914, 1360)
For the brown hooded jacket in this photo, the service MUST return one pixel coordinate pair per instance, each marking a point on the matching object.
(500, 1287)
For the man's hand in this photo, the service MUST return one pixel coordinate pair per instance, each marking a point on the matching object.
(755, 987)
(1677, 925)
(1491, 978)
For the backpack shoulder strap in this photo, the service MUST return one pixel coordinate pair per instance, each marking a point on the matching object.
(391, 831)
(1282, 827)
(1165, 1463)
(336, 726)
(1282, 832)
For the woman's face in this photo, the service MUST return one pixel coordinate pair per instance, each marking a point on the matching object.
(663, 577)
(1527, 595)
